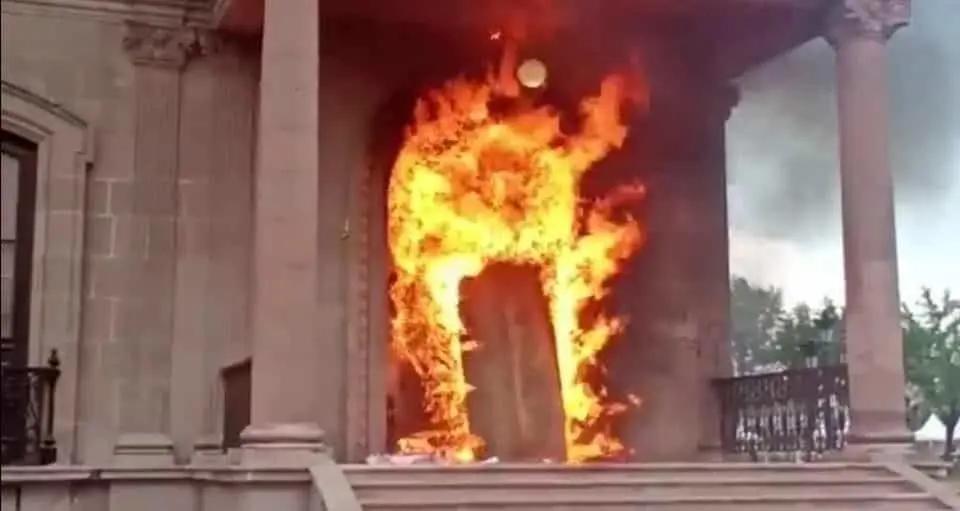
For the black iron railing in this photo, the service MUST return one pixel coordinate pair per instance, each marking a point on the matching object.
(798, 411)
(27, 404)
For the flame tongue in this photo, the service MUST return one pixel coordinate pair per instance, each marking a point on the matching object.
(471, 187)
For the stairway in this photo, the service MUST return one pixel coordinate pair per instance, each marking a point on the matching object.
(636, 487)
(941, 471)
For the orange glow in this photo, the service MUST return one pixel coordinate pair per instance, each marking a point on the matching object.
(470, 187)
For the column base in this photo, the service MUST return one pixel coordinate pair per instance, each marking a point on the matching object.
(893, 445)
(144, 450)
(208, 450)
(292, 449)
(284, 445)
(710, 452)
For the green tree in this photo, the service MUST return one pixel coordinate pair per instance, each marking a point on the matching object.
(932, 357)
(804, 335)
(767, 337)
(754, 312)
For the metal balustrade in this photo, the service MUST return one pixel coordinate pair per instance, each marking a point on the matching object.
(797, 411)
(27, 400)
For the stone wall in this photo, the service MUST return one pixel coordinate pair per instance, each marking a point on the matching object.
(156, 147)
(183, 489)
(70, 85)
(79, 67)
(161, 225)
(674, 292)
(362, 68)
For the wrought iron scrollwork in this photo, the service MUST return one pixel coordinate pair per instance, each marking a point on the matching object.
(801, 411)
(27, 400)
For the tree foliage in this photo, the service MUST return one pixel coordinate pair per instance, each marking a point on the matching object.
(755, 314)
(768, 337)
(931, 334)
(804, 334)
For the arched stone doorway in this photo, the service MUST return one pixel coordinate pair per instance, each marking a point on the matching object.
(674, 291)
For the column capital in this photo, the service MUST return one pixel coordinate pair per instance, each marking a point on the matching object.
(873, 19)
(728, 97)
(171, 47)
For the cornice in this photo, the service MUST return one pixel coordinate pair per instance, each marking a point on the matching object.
(217, 10)
(161, 46)
(874, 19)
(169, 13)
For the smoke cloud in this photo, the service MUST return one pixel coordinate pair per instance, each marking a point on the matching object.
(783, 152)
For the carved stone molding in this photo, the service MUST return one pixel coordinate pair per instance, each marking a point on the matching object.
(149, 45)
(728, 97)
(169, 13)
(875, 19)
(359, 340)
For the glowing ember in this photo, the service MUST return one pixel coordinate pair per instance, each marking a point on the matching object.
(470, 187)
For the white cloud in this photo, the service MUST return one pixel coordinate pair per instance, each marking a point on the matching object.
(804, 273)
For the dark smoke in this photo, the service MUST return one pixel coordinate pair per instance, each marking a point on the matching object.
(783, 137)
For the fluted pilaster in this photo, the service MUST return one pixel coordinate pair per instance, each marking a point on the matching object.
(147, 235)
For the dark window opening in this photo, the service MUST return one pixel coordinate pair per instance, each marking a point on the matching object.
(18, 186)
(236, 402)
(22, 390)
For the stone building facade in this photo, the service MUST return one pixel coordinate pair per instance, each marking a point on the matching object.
(208, 191)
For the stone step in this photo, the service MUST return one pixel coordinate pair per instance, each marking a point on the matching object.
(490, 501)
(620, 487)
(934, 469)
(496, 474)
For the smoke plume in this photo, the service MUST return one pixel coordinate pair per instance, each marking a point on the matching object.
(783, 152)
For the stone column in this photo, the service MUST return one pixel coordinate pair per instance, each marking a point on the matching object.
(713, 268)
(146, 235)
(291, 347)
(675, 291)
(858, 31)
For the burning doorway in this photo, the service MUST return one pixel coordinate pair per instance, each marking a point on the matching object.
(500, 263)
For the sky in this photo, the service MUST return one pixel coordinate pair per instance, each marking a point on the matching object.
(783, 159)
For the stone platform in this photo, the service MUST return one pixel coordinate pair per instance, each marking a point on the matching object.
(613, 487)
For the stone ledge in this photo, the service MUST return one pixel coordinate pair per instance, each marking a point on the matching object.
(16, 475)
(720, 466)
(226, 474)
(168, 14)
(239, 473)
(330, 486)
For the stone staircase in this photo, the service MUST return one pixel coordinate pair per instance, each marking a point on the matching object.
(936, 469)
(636, 487)
(944, 472)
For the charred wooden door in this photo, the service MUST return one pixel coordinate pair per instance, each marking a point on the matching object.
(516, 405)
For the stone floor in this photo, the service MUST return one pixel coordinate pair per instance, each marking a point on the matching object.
(507, 487)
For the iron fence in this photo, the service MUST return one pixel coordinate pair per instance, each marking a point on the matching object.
(27, 403)
(798, 411)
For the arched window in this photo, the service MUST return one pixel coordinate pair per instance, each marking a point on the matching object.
(18, 186)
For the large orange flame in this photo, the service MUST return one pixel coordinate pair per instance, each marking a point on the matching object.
(470, 187)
